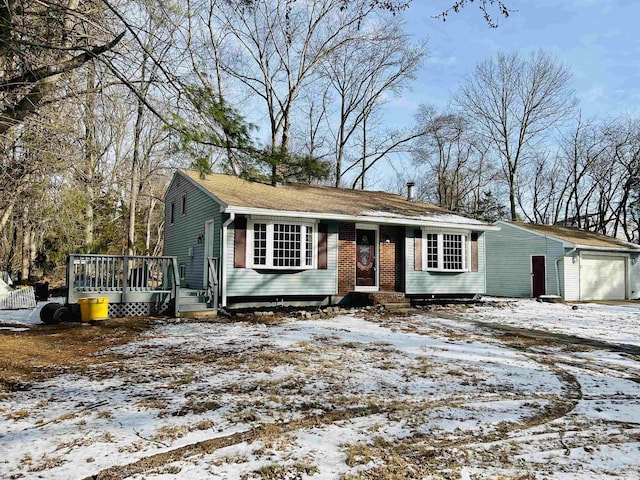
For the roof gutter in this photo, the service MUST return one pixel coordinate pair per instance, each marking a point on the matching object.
(223, 262)
(359, 218)
(608, 249)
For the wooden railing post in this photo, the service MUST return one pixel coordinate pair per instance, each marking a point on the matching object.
(70, 280)
(125, 278)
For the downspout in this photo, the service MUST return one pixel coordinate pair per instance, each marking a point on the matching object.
(223, 263)
(570, 252)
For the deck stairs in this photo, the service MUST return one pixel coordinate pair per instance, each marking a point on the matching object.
(194, 303)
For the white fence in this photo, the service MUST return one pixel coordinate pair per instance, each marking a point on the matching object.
(23, 298)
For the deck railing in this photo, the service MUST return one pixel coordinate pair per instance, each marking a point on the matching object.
(122, 278)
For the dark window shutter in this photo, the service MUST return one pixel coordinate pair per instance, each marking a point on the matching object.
(474, 251)
(240, 242)
(417, 249)
(322, 245)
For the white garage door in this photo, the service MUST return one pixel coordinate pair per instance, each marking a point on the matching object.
(602, 277)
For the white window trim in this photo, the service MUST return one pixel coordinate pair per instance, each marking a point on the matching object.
(270, 221)
(440, 232)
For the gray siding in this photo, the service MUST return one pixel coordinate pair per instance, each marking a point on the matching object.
(437, 283)
(256, 282)
(509, 254)
(183, 235)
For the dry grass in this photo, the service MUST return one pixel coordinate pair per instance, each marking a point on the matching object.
(277, 471)
(170, 432)
(43, 351)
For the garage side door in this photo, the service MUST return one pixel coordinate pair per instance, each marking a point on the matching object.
(602, 277)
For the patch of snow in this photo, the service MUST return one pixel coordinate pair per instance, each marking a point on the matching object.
(617, 324)
(29, 316)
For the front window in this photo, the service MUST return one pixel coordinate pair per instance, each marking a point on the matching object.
(452, 252)
(282, 245)
(259, 243)
(445, 252)
(432, 250)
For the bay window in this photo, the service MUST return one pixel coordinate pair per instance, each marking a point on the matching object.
(281, 244)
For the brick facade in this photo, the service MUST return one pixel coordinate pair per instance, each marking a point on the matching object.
(390, 258)
(346, 258)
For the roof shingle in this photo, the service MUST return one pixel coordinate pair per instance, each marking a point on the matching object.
(237, 192)
(577, 236)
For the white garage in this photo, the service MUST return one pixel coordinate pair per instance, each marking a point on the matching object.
(530, 260)
(603, 277)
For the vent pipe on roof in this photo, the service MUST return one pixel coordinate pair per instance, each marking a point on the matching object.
(410, 196)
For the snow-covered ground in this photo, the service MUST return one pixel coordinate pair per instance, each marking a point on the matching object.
(17, 320)
(618, 323)
(351, 397)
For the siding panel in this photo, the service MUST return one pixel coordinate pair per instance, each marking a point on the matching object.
(249, 281)
(186, 230)
(509, 254)
(423, 282)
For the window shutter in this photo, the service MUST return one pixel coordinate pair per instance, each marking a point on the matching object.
(474, 251)
(240, 242)
(322, 245)
(417, 249)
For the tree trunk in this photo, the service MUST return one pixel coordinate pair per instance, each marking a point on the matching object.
(26, 246)
(512, 195)
(135, 180)
(90, 156)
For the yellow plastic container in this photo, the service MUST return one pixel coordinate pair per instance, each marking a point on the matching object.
(94, 308)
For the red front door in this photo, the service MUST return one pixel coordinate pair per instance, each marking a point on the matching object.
(366, 258)
(538, 276)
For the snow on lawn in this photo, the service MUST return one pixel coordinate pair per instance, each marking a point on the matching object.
(413, 397)
(610, 323)
(9, 319)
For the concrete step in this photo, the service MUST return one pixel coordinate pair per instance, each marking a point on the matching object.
(381, 298)
(201, 314)
(396, 306)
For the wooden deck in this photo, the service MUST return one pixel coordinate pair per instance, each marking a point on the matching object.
(134, 285)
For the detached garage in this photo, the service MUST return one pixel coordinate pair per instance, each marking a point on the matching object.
(529, 260)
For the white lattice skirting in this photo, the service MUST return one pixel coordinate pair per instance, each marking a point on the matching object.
(134, 309)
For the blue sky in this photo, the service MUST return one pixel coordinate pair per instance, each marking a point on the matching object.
(598, 40)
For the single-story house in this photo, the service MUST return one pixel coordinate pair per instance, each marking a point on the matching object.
(301, 244)
(529, 260)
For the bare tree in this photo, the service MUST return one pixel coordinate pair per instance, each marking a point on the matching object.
(454, 157)
(362, 74)
(279, 46)
(39, 43)
(515, 101)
